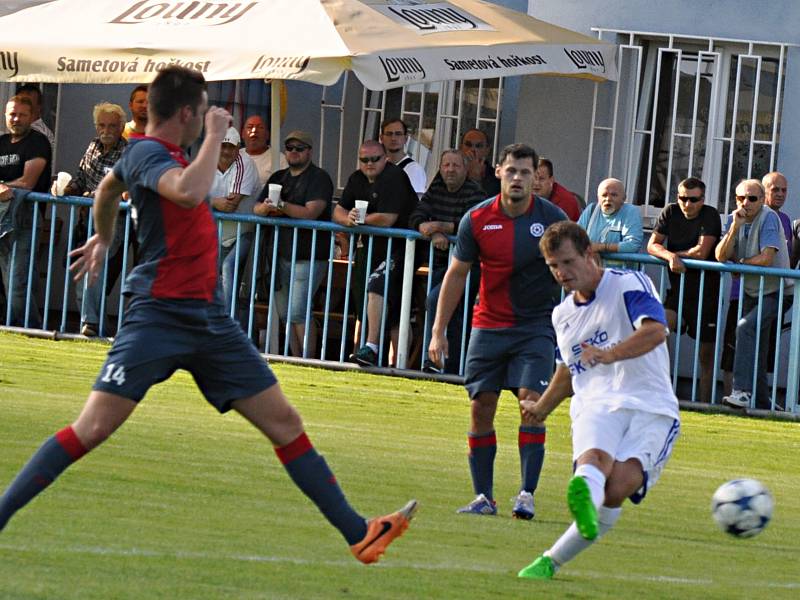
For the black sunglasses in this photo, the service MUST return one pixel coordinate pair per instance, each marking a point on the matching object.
(478, 145)
(750, 198)
(691, 199)
(296, 148)
(369, 159)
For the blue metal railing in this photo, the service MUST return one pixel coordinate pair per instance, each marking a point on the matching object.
(334, 303)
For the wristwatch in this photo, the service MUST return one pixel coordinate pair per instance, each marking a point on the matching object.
(280, 204)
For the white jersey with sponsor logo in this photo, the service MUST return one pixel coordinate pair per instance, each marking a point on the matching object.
(621, 302)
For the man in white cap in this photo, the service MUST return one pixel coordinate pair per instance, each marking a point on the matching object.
(234, 190)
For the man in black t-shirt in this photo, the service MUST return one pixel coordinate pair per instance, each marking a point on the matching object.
(306, 193)
(24, 164)
(690, 229)
(391, 199)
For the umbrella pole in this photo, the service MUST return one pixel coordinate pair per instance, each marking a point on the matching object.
(275, 124)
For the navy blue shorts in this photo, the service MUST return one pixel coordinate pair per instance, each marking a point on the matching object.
(158, 337)
(510, 358)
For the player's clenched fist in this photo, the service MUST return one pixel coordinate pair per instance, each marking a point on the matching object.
(217, 122)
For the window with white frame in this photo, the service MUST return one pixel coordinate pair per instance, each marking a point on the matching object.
(686, 106)
(436, 114)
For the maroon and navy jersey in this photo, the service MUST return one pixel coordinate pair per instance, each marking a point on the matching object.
(516, 284)
(177, 246)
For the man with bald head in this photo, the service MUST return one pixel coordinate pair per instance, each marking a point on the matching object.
(391, 199)
(612, 225)
(775, 187)
(753, 236)
(255, 136)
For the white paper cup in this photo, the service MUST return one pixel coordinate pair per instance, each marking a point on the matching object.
(274, 193)
(62, 181)
(361, 207)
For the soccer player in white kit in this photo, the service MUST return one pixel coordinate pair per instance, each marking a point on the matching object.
(612, 359)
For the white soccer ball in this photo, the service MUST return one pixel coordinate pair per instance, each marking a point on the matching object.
(742, 507)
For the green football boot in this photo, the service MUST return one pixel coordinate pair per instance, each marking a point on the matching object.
(541, 568)
(579, 500)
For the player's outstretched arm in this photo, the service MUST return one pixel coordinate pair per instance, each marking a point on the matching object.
(189, 187)
(648, 336)
(450, 295)
(90, 257)
(557, 391)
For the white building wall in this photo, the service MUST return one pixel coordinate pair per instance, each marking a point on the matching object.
(555, 113)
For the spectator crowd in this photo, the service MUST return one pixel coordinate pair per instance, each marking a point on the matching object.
(390, 189)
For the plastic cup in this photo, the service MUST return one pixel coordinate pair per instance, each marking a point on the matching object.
(361, 207)
(62, 181)
(274, 193)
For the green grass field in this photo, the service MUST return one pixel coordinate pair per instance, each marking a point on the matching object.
(183, 503)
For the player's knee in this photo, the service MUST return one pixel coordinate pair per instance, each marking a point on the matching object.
(288, 418)
(93, 434)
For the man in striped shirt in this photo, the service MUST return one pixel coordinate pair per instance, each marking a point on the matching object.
(234, 190)
(450, 195)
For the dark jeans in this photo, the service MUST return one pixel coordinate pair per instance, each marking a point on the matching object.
(15, 276)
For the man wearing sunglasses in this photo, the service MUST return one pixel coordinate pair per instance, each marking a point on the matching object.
(391, 200)
(753, 237)
(475, 145)
(306, 193)
(689, 228)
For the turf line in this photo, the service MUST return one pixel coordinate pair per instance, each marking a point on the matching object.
(258, 558)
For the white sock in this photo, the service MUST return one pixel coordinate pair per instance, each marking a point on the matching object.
(568, 546)
(606, 517)
(596, 480)
(571, 543)
(373, 347)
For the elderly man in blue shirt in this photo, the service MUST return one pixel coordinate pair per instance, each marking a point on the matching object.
(612, 225)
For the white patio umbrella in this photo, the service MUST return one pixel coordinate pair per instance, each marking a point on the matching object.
(386, 43)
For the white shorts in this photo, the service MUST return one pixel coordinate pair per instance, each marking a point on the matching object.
(624, 434)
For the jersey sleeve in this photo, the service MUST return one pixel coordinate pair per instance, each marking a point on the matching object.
(559, 359)
(466, 249)
(641, 300)
(144, 163)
